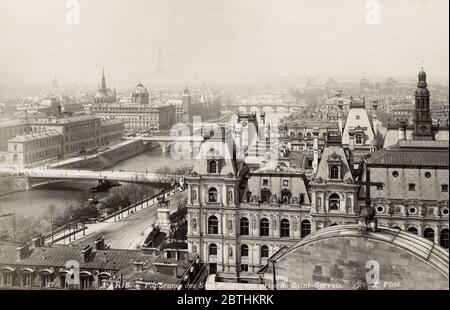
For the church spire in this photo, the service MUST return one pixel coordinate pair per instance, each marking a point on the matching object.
(103, 80)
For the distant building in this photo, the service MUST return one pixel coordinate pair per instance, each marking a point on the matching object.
(9, 129)
(138, 117)
(34, 147)
(103, 94)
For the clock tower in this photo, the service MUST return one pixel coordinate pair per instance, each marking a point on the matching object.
(422, 115)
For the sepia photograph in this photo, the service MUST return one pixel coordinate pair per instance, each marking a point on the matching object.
(247, 147)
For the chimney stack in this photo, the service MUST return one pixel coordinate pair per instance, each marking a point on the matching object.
(22, 251)
(86, 253)
(351, 148)
(402, 131)
(316, 150)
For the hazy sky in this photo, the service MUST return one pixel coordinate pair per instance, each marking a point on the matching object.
(231, 40)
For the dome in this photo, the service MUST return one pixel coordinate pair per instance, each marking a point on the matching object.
(140, 89)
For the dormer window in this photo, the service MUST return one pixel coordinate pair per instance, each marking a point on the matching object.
(212, 166)
(334, 172)
(358, 138)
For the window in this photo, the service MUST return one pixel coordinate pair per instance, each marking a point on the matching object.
(413, 230)
(264, 228)
(302, 198)
(334, 201)
(265, 182)
(286, 195)
(444, 188)
(358, 138)
(395, 174)
(285, 182)
(213, 249)
(244, 267)
(85, 283)
(7, 278)
(244, 250)
(428, 233)
(46, 280)
(411, 187)
(309, 163)
(213, 225)
(244, 226)
(264, 251)
(357, 117)
(444, 238)
(284, 229)
(27, 279)
(334, 172)
(305, 228)
(428, 174)
(265, 195)
(212, 194)
(212, 166)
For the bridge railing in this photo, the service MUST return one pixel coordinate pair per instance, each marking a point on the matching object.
(141, 203)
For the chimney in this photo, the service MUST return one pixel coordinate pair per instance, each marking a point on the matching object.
(99, 243)
(86, 253)
(401, 130)
(23, 251)
(351, 148)
(316, 150)
(375, 118)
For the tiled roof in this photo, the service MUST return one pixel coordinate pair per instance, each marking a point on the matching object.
(409, 157)
(57, 256)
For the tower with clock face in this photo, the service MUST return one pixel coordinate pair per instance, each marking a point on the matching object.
(422, 115)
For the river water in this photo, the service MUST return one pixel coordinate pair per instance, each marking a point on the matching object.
(62, 194)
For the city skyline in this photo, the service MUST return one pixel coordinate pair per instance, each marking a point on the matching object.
(232, 42)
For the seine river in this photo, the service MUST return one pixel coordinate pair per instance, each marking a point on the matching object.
(62, 194)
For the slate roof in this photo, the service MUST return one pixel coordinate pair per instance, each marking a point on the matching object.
(57, 256)
(409, 157)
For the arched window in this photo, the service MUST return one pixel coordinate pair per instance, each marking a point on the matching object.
(244, 226)
(300, 135)
(444, 238)
(212, 249)
(264, 227)
(212, 194)
(265, 195)
(292, 134)
(334, 201)
(244, 250)
(413, 230)
(334, 172)
(264, 251)
(428, 233)
(305, 228)
(358, 138)
(16, 158)
(284, 228)
(308, 135)
(213, 225)
(212, 166)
